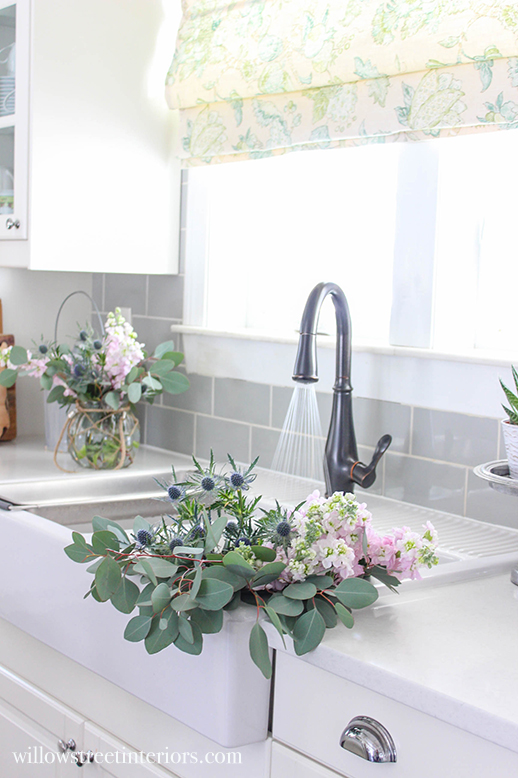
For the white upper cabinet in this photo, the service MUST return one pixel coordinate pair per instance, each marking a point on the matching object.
(104, 187)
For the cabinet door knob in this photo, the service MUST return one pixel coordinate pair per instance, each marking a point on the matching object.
(82, 757)
(10, 223)
(70, 745)
(367, 738)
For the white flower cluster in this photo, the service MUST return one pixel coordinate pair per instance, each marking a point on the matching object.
(121, 347)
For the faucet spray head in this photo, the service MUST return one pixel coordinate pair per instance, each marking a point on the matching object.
(305, 370)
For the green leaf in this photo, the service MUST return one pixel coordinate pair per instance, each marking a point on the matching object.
(174, 383)
(152, 383)
(209, 622)
(264, 553)
(183, 602)
(146, 568)
(213, 532)
(79, 540)
(46, 381)
(382, 575)
(191, 550)
(144, 597)
(287, 607)
(213, 594)
(78, 553)
(107, 578)
(196, 646)
(137, 628)
(308, 631)
(259, 651)
(161, 568)
(134, 393)
(268, 573)
(344, 615)
(162, 367)
(160, 597)
(185, 629)
(93, 568)
(512, 398)
(139, 522)
(300, 591)
(327, 612)
(174, 356)
(320, 581)
(104, 541)
(158, 639)
(98, 523)
(276, 622)
(132, 375)
(234, 603)
(125, 598)
(449, 43)
(236, 564)
(223, 574)
(196, 583)
(55, 394)
(163, 348)
(515, 376)
(18, 356)
(8, 377)
(355, 593)
(113, 399)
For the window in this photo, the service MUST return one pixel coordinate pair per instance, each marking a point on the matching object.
(421, 237)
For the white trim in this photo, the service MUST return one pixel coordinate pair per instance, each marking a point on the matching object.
(463, 383)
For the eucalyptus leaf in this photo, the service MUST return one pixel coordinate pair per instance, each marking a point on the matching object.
(196, 646)
(320, 581)
(284, 605)
(213, 532)
(139, 523)
(300, 591)
(113, 399)
(144, 597)
(185, 629)
(137, 628)
(162, 367)
(196, 582)
(54, 395)
(224, 574)
(183, 602)
(134, 392)
(356, 593)
(160, 597)
(213, 594)
(274, 618)
(268, 573)
(162, 568)
(132, 375)
(46, 381)
(308, 631)
(152, 383)
(163, 348)
(78, 553)
(98, 523)
(237, 565)
(104, 541)
(18, 356)
(327, 612)
(234, 603)
(259, 650)
(264, 553)
(174, 383)
(209, 622)
(158, 639)
(344, 615)
(125, 597)
(8, 377)
(147, 569)
(107, 578)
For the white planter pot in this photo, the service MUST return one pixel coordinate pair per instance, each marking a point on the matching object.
(510, 432)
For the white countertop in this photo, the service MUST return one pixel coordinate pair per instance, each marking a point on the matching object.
(448, 650)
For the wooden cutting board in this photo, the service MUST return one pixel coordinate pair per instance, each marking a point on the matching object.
(7, 396)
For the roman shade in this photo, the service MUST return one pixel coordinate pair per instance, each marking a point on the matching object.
(255, 78)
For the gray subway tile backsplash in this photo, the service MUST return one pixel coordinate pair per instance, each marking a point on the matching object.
(222, 437)
(429, 462)
(454, 437)
(242, 401)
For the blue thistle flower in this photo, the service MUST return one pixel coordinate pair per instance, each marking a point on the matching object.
(42, 348)
(175, 542)
(97, 344)
(283, 529)
(236, 480)
(175, 492)
(78, 371)
(244, 541)
(144, 537)
(208, 483)
(83, 335)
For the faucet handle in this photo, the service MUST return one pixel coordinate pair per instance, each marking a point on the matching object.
(365, 475)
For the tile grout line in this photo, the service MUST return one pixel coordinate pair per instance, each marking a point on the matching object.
(213, 396)
(411, 429)
(146, 307)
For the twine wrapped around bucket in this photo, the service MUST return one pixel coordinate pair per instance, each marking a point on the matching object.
(91, 423)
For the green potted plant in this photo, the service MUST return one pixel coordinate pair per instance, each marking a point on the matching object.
(510, 425)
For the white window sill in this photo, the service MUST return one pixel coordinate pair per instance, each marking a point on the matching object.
(464, 383)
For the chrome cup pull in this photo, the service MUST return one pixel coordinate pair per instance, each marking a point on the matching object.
(368, 739)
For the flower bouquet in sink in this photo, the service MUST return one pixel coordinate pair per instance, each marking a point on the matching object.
(101, 379)
(304, 569)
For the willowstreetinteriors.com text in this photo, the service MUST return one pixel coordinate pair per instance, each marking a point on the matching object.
(37, 755)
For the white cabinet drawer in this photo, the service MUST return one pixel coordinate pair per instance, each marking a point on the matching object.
(313, 707)
(290, 764)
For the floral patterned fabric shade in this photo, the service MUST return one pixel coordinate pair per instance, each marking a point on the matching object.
(254, 78)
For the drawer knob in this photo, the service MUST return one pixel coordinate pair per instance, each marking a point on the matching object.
(369, 739)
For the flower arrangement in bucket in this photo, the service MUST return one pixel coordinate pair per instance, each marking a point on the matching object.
(303, 569)
(101, 379)
(510, 425)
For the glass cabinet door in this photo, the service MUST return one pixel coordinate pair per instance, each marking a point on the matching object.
(14, 64)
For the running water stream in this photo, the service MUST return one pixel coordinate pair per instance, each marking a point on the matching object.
(300, 450)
